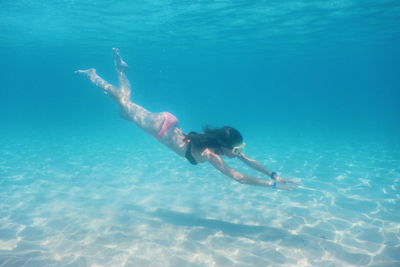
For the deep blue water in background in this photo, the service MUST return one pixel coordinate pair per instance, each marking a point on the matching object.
(314, 87)
(299, 66)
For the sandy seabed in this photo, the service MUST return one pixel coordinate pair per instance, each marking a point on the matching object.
(94, 203)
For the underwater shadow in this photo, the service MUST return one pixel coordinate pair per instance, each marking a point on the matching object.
(260, 233)
(318, 244)
(211, 226)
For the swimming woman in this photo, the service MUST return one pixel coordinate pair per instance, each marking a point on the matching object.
(195, 147)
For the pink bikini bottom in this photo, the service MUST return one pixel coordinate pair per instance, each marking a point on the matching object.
(169, 122)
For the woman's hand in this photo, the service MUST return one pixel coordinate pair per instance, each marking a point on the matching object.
(286, 181)
(285, 184)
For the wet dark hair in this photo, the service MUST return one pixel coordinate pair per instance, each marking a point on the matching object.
(215, 138)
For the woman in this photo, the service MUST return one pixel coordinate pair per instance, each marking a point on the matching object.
(197, 148)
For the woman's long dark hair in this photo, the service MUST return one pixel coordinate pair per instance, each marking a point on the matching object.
(215, 138)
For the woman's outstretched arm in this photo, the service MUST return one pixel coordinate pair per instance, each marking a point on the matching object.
(254, 164)
(220, 165)
(261, 168)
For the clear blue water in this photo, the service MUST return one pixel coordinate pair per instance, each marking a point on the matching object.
(313, 86)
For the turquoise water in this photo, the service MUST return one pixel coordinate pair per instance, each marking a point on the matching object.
(312, 85)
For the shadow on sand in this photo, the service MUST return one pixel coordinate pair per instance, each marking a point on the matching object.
(254, 232)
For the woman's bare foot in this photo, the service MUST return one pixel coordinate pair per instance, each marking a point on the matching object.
(119, 63)
(108, 88)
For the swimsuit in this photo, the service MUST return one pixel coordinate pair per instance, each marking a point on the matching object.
(169, 122)
(188, 154)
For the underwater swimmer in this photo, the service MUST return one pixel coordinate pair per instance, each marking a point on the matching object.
(197, 148)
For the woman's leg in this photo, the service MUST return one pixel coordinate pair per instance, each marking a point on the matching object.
(121, 66)
(148, 121)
